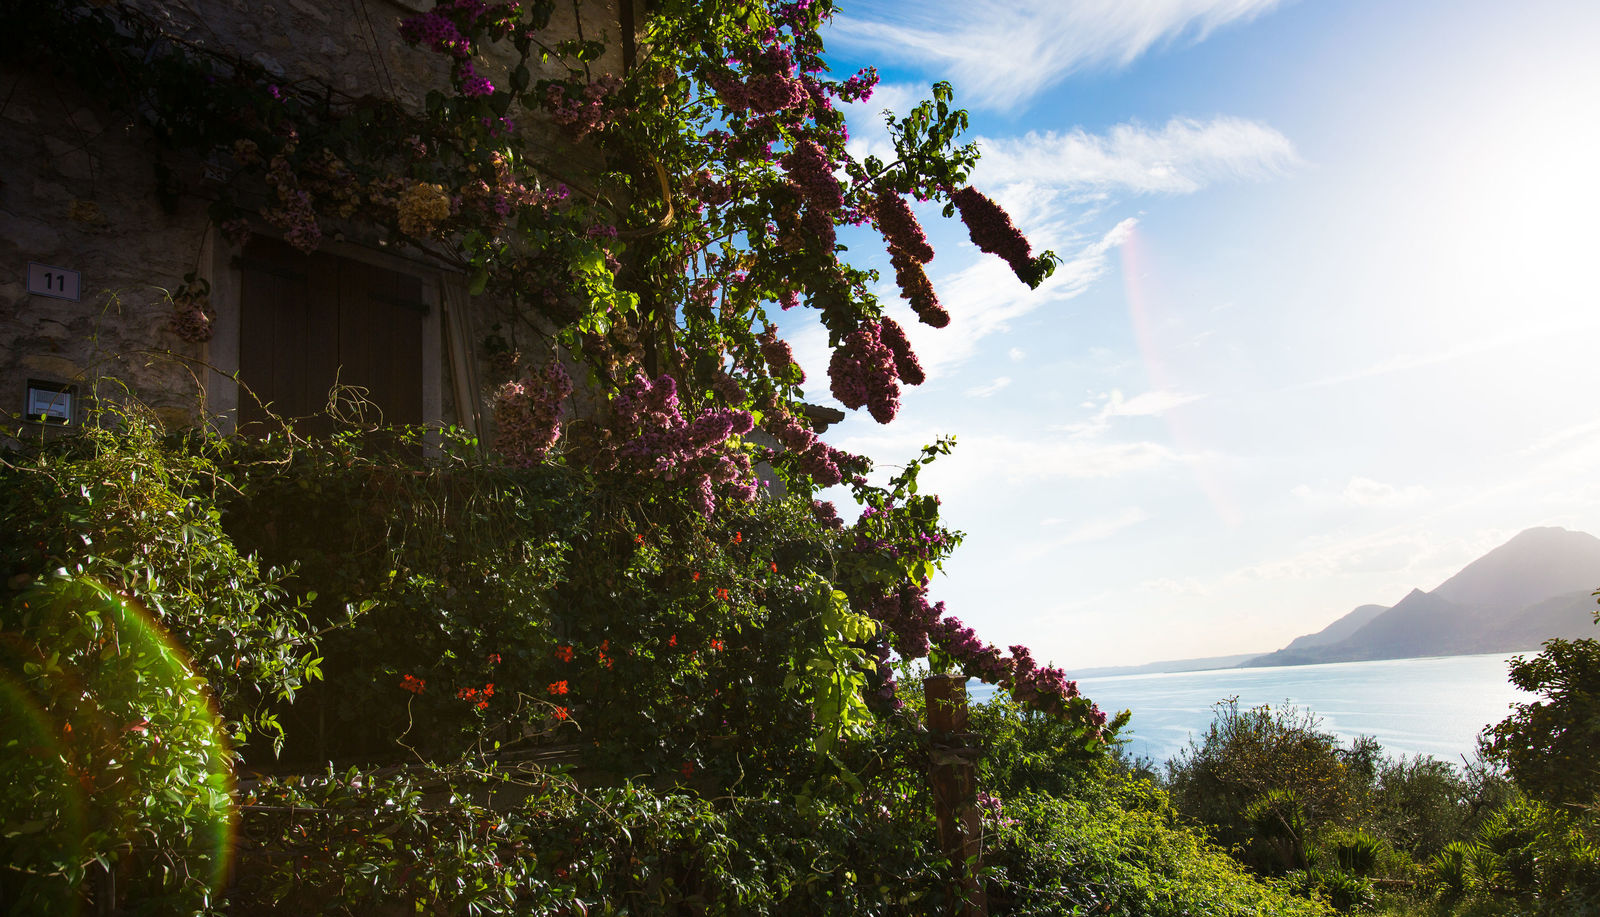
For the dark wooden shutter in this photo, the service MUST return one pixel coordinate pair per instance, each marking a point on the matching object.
(309, 320)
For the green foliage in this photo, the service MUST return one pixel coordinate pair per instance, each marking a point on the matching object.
(1343, 891)
(123, 503)
(1117, 849)
(1264, 781)
(117, 773)
(1551, 747)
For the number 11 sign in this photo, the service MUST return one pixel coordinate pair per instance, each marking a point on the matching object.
(57, 282)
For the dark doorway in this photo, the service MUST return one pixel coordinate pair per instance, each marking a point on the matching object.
(308, 321)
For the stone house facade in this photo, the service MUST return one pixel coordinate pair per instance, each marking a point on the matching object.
(93, 257)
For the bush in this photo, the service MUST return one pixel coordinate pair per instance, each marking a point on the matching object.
(117, 773)
(1263, 781)
(1119, 850)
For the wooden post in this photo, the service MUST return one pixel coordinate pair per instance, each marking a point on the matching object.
(953, 776)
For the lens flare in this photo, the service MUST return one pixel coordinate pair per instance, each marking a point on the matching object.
(109, 738)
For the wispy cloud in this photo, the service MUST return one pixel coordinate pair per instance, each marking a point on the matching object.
(1181, 157)
(984, 391)
(1040, 42)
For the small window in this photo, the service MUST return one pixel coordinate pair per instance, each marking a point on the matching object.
(309, 321)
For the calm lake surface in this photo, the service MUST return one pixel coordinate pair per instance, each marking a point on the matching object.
(1434, 706)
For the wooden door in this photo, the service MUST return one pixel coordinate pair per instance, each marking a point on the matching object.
(308, 321)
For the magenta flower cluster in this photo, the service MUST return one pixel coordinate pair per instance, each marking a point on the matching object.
(769, 85)
(992, 231)
(915, 627)
(862, 373)
(474, 86)
(906, 365)
(908, 252)
(778, 354)
(585, 111)
(859, 88)
(811, 172)
(816, 459)
(900, 227)
(436, 30)
(659, 440)
(527, 414)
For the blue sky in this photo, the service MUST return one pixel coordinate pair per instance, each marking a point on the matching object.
(1325, 325)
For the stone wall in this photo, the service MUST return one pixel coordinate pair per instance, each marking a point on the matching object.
(77, 191)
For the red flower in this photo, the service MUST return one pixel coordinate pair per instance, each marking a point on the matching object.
(697, 576)
(413, 684)
(638, 539)
(558, 687)
(716, 645)
(672, 640)
(488, 690)
(483, 704)
(561, 713)
(687, 768)
(494, 658)
(774, 566)
(722, 594)
(564, 654)
(738, 538)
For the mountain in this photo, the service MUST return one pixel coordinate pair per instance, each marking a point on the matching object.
(1533, 587)
(1167, 665)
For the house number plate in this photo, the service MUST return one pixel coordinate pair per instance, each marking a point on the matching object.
(58, 282)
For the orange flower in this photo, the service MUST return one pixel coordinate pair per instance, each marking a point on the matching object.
(697, 576)
(488, 690)
(558, 687)
(738, 538)
(722, 594)
(774, 566)
(716, 645)
(483, 704)
(561, 713)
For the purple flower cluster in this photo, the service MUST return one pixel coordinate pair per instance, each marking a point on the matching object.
(859, 88)
(528, 414)
(817, 460)
(915, 627)
(917, 289)
(880, 680)
(294, 214)
(862, 373)
(768, 88)
(906, 365)
(659, 440)
(992, 231)
(811, 172)
(474, 86)
(900, 227)
(584, 112)
(436, 30)
(826, 514)
(779, 356)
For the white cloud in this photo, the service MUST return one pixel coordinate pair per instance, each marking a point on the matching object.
(1016, 354)
(1182, 157)
(984, 391)
(1362, 491)
(1367, 492)
(1148, 404)
(985, 297)
(1040, 42)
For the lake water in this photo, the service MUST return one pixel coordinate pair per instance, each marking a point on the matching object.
(1434, 706)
